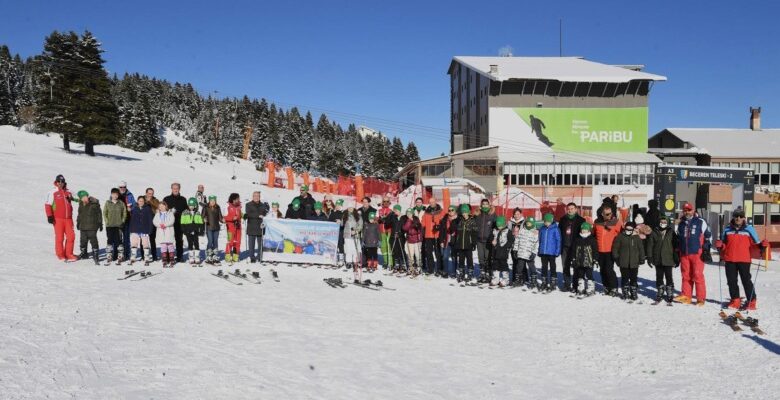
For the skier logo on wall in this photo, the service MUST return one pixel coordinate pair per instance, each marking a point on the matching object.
(537, 126)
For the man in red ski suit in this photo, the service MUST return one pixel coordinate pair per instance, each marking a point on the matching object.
(59, 213)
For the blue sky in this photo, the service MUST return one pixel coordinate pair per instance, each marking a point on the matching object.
(386, 62)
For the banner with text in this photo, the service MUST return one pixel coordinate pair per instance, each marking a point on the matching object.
(586, 129)
(300, 241)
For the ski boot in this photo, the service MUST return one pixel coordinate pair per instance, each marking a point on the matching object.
(625, 293)
(532, 283)
(96, 257)
(553, 286)
(198, 263)
(590, 291)
(566, 284)
(148, 258)
(109, 255)
(633, 290)
(669, 294)
(84, 255)
(496, 278)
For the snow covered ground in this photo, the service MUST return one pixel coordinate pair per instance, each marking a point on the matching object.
(75, 331)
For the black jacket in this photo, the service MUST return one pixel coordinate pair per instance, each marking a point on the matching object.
(320, 217)
(485, 223)
(465, 231)
(570, 229)
(254, 213)
(364, 213)
(585, 251)
(307, 205)
(293, 214)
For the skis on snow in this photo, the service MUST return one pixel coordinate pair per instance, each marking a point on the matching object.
(129, 274)
(335, 282)
(730, 320)
(275, 275)
(146, 275)
(225, 277)
(237, 273)
(750, 322)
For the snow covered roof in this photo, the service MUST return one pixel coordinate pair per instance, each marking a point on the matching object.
(731, 143)
(445, 182)
(564, 69)
(514, 156)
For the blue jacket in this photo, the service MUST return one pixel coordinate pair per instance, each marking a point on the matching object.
(550, 240)
(693, 234)
(141, 219)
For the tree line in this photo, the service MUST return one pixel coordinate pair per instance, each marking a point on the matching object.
(67, 90)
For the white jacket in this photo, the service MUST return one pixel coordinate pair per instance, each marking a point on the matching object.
(164, 235)
(526, 243)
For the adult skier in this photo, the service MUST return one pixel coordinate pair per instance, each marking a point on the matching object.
(89, 222)
(254, 212)
(570, 225)
(177, 203)
(59, 213)
(693, 233)
(734, 247)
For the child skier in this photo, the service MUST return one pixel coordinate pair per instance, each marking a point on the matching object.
(141, 218)
(233, 223)
(114, 216)
(192, 226)
(464, 229)
(394, 227)
(89, 222)
(318, 215)
(663, 255)
(413, 231)
(549, 250)
(584, 257)
(502, 245)
(212, 218)
(163, 221)
(525, 247)
(628, 251)
(371, 240)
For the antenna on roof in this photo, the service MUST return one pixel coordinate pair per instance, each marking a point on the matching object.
(560, 37)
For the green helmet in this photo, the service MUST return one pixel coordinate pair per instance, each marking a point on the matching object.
(192, 202)
(397, 207)
(410, 211)
(465, 209)
(500, 221)
(530, 223)
(586, 227)
(548, 217)
(212, 198)
(296, 203)
(81, 194)
(318, 205)
(340, 202)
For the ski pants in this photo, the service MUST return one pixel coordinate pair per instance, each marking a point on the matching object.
(447, 259)
(413, 254)
(370, 254)
(167, 248)
(387, 252)
(250, 245)
(582, 273)
(432, 255)
(126, 240)
(177, 237)
(64, 238)
(212, 238)
(662, 272)
(628, 277)
(193, 242)
(548, 264)
(692, 269)
(525, 269)
(153, 243)
(465, 263)
(608, 275)
(743, 270)
(351, 254)
(233, 241)
(114, 237)
(89, 237)
(566, 255)
(501, 265)
(398, 251)
(483, 256)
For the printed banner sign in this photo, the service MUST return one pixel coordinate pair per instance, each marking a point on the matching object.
(300, 241)
(586, 129)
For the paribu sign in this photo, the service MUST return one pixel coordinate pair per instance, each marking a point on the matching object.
(588, 129)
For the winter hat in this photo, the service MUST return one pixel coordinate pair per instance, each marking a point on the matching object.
(81, 194)
(304, 188)
(451, 208)
(122, 184)
(275, 204)
(410, 211)
(192, 202)
(586, 227)
(465, 209)
(296, 203)
(212, 197)
(318, 205)
(548, 217)
(530, 221)
(688, 207)
(663, 218)
(397, 207)
(500, 221)
(340, 202)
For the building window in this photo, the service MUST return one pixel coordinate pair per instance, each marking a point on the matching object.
(480, 167)
(759, 214)
(774, 214)
(434, 169)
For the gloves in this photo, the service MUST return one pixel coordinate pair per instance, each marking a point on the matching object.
(719, 244)
(50, 219)
(162, 226)
(262, 225)
(650, 265)
(677, 265)
(244, 216)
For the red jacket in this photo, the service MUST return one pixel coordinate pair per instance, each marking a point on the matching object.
(233, 217)
(429, 223)
(58, 204)
(383, 212)
(737, 241)
(412, 230)
(606, 232)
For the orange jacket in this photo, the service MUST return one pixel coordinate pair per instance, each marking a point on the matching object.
(606, 232)
(430, 222)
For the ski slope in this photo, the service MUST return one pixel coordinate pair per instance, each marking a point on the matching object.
(75, 331)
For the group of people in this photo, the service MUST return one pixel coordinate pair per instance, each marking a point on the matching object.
(433, 240)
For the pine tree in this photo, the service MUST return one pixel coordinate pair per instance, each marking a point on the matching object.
(7, 87)
(411, 153)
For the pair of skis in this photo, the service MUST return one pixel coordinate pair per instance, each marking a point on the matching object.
(335, 282)
(143, 275)
(368, 284)
(733, 321)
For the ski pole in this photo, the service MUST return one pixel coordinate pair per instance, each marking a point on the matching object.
(752, 292)
(720, 281)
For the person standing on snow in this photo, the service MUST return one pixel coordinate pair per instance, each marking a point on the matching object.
(212, 218)
(233, 224)
(486, 222)
(177, 203)
(200, 197)
(525, 246)
(607, 228)
(254, 212)
(734, 247)
(628, 251)
(502, 245)
(663, 254)
(693, 233)
(141, 217)
(59, 213)
(570, 225)
(193, 227)
(153, 204)
(115, 216)
(549, 249)
(384, 233)
(89, 222)
(127, 197)
(306, 202)
(584, 257)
